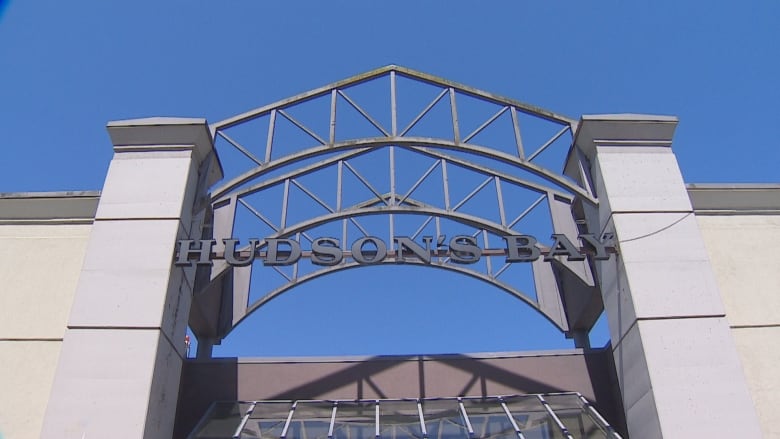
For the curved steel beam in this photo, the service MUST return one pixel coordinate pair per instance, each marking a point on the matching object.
(221, 196)
(222, 192)
(487, 96)
(350, 265)
(418, 144)
(364, 209)
(423, 210)
(409, 73)
(495, 173)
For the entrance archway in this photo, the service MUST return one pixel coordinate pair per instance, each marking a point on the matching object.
(406, 164)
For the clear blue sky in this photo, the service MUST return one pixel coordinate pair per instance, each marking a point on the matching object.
(66, 68)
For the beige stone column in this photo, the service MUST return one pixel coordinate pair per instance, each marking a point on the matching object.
(118, 372)
(678, 368)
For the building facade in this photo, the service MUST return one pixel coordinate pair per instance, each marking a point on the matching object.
(99, 287)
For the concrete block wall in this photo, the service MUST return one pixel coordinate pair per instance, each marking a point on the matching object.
(740, 225)
(43, 240)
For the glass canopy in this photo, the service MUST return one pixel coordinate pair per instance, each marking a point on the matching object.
(549, 416)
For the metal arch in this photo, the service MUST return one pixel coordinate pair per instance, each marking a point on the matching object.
(451, 159)
(456, 150)
(392, 136)
(349, 265)
(369, 207)
(365, 209)
(528, 166)
(426, 210)
(404, 71)
(413, 144)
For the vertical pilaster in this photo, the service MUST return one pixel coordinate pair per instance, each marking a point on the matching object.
(679, 372)
(118, 373)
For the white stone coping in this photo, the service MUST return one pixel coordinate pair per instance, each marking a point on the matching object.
(48, 207)
(734, 198)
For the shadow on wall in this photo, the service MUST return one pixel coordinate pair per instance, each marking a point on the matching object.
(231, 379)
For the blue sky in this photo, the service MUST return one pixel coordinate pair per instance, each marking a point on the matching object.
(66, 68)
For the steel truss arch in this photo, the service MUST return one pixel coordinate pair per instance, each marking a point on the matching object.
(482, 159)
(390, 69)
(425, 146)
(369, 207)
(419, 210)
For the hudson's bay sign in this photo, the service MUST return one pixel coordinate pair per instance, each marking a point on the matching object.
(326, 251)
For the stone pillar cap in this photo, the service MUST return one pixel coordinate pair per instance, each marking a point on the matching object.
(164, 133)
(624, 130)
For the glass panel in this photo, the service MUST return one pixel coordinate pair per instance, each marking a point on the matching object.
(443, 419)
(221, 421)
(399, 420)
(355, 420)
(267, 420)
(488, 419)
(566, 401)
(573, 414)
(532, 418)
(310, 421)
